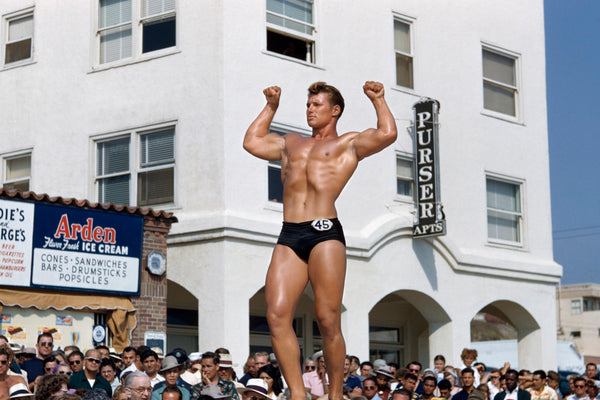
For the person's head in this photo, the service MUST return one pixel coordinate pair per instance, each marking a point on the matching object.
(525, 379)
(3, 339)
(120, 393)
(383, 377)
(480, 367)
(171, 393)
(485, 389)
(494, 377)
(91, 362)
(104, 351)
(366, 368)
(150, 362)
(128, 356)
(429, 385)
(44, 345)
(60, 356)
(401, 394)
(325, 101)
(539, 379)
(439, 362)
(51, 385)
(512, 379)
(62, 369)
(256, 389)
(591, 388)
(108, 369)
(347, 362)
(210, 365)
(468, 356)
(369, 388)
(591, 370)
(467, 378)
(48, 364)
(414, 367)
(261, 359)
(272, 377)
(310, 365)
(171, 369)
(445, 388)
(354, 364)
(250, 367)
(138, 386)
(579, 386)
(409, 381)
(6, 359)
(69, 349)
(553, 379)
(450, 377)
(75, 360)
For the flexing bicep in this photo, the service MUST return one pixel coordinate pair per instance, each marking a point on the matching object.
(268, 147)
(371, 141)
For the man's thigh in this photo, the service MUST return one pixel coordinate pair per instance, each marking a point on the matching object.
(327, 272)
(286, 278)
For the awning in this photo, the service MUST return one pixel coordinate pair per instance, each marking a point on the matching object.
(120, 310)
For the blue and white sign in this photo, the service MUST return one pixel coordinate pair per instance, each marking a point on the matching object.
(74, 248)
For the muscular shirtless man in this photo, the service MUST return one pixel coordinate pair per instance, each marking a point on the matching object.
(311, 247)
(8, 381)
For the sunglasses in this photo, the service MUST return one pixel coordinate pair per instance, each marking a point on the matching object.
(310, 367)
(94, 360)
(415, 370)
(368, 387)
(64, 372)
(46, 344)
(75, 362)
(4, 362)
(579, 386)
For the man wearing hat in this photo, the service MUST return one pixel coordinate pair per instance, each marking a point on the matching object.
(256, 389)
(383, 376)
(226, 371)
(171, 371)
(192, 375)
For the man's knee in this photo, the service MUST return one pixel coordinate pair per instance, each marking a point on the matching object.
(329, 322)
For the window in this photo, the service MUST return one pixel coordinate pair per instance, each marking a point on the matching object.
(120, 22)
(404, 177)
(576, 307)
(499, 82)
(275, 184)
(17, 172)
(290, 29)
(504, 210)
(403, 50)
(386, 343)
(576, 333)
(591, 304)
(150, 181)
(19, 40)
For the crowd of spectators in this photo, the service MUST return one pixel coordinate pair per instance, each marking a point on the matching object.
(143, 373)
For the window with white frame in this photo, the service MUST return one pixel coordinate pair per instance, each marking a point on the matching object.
(137, 168)
(500, 86)
(17, 172)
(504, 213)
(405, 178)
(129, 28)
(576, 307)
(404, 53)
(19, 39)
(291, 29)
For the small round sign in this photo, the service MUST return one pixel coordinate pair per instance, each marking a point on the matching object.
(98, 334)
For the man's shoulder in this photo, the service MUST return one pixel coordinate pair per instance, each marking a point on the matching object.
(34, 362)
(523, 394)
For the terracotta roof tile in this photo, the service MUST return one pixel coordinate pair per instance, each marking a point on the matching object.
(66, 201)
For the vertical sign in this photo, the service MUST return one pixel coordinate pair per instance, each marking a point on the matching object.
(16, 233)
(429, 216)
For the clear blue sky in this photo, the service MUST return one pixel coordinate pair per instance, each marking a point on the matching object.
(573, 86)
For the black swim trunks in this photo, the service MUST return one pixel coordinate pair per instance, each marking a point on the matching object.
(302, 237)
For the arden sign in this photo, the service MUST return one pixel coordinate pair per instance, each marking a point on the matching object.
(58, 247)
(429, 216)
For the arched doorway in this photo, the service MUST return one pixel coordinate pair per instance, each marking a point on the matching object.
(408, 325)
(182, 318)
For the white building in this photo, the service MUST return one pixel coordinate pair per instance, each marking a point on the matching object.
(147, 101)
(578, 308)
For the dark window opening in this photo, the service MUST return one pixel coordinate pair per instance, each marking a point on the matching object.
(275, 185)
(158, 35)
(288, 46)
(18, 51)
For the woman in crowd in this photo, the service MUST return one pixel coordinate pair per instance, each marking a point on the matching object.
(108, 369)
(272, 377)
(120, 393)
(51, 385)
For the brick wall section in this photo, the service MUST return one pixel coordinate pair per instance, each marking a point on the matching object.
(151, 306)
